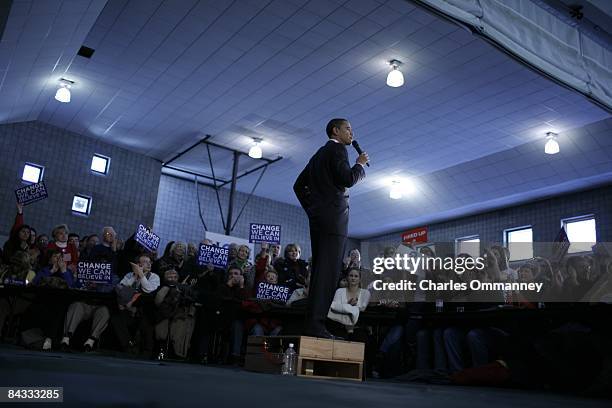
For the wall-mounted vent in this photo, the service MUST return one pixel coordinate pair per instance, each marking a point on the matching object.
(85, 51)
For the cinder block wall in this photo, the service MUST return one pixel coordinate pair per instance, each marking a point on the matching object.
(123, 198)
(177, 216)
(544, 216)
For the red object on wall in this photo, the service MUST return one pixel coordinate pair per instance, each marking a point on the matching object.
(418, 235)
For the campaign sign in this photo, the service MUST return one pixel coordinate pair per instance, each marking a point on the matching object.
(210, 254)
(270, 291)
(31, 193)
(15, 282)
(265, 233)
(418, 235)
(98, 272)
(147, 238)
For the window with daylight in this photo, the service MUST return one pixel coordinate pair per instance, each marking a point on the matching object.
(100, 164)
(519, 242)
(32, 173)
(81, 204)
(468, 245)
(581, 233)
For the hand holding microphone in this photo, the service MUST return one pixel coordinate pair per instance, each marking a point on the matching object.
(363, 157)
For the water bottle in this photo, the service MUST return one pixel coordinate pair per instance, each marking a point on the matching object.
(289, 361)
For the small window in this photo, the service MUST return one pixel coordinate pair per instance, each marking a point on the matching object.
(580, 232)
(519, 242)
(32, 173)
(100, 164)
(468, 245)
(81, 204)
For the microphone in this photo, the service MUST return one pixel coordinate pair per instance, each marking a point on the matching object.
(359, 151)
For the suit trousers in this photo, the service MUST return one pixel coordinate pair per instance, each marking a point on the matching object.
(327, 252)
(79, 311)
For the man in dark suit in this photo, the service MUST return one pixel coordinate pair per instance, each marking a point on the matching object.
(321, 189)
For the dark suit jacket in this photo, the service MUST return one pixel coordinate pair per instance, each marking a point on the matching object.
(322, 186)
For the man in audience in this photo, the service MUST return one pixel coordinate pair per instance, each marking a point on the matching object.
(90, 243)
(74, 239)
(107, 250)
(42, 243)
(233, 293)
(175, 316)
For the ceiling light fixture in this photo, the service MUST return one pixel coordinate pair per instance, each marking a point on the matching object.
(63, 92)
(552, 146)
(255, 150)
(396, 190)
(395, 78)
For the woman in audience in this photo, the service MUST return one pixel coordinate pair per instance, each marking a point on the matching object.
(291, 269)
(349, 302)
(42, 243)
(33, 236)
(56, 274)
(48, 310)
(242, 258)
(344, 312)
(17, 272)
(242, 261)
(353, 261)
(70, 253)
(19, 241)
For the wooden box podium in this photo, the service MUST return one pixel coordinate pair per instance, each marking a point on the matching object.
(317, 358)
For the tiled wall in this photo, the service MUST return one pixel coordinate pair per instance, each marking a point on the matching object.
(123, 198)
(544, 216)
(177, 215)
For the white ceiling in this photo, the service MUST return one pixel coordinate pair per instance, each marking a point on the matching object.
(165, 73)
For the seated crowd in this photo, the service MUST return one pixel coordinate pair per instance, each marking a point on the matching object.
(169, 305)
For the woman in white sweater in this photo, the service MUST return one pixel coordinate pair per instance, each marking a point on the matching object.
(349, 302)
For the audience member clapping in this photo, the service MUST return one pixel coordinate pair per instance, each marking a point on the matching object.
(175, 315)
(133, 315)
(69, 252)
(291, 269)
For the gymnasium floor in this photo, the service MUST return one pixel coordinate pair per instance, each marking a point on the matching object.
(95, 380)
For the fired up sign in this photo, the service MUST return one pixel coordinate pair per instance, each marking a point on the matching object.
(418, 235)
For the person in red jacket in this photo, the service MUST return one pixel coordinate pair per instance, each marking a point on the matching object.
(69, 252)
